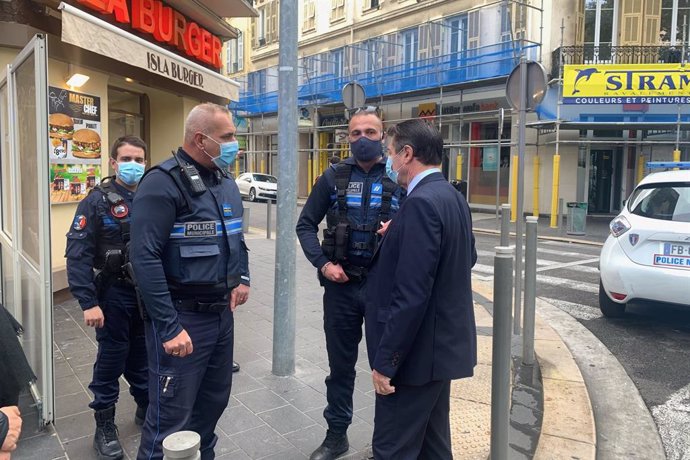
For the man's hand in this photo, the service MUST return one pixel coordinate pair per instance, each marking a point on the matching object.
(384, 226)
(334, 272)
(238, 296)
(179, 346)
(14, 420)
(93, 317)
(382, 384)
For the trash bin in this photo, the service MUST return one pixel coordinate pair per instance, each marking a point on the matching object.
(245, 219)
(577, 218)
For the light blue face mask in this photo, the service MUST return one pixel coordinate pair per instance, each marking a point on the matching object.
(130, 172)
(390, 172)
(228, 153)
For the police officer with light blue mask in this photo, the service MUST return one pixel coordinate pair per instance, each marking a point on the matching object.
(96, 247)
(191, 266)
(356, 197)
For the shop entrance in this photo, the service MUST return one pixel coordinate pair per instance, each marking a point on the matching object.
(601, 169)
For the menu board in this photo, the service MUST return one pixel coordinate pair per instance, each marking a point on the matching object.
(74, 130)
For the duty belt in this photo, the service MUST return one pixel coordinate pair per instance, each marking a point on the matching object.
(201, 307)
(355, 273)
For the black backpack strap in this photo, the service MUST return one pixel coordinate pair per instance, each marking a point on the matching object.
(113, 197)
(386, 198)
(342, 180)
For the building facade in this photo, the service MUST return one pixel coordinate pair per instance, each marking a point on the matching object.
(448, 61)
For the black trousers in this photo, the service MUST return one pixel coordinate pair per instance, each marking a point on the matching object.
(413, 423)
(343, 315)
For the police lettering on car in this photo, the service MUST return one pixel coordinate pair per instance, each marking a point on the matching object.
(355, 196)
(96, 252)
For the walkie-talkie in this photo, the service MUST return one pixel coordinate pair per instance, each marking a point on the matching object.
(191, 177)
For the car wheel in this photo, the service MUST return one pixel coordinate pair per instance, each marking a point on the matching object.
(252, 194)
(608, 307)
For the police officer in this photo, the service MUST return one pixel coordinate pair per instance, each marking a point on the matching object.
(356, 196)
(191, 265)
(95, 257)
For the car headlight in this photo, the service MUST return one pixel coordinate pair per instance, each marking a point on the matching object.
(619, 225)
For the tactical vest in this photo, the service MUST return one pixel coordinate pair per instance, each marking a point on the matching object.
(360, 204)
(114, 235)
(202, 255)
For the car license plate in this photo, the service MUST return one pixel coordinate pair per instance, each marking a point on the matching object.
(675, 249)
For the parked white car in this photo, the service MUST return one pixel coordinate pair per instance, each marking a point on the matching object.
(647, 254)
(257, 186)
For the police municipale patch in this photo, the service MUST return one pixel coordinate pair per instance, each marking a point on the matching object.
(79, 222)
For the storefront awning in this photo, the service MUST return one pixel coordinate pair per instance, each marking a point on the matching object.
(90, 33)
(209, 13)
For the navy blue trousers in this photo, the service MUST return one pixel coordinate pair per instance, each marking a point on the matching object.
(413, 423)
(121, 351)
(188, 393)
(343, 315)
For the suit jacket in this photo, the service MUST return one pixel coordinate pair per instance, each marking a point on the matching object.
(419, 313)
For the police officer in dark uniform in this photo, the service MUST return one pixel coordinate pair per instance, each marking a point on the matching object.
(355, 196)
(95, 258)
(191, 267)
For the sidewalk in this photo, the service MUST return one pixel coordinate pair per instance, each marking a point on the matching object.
(281, 417)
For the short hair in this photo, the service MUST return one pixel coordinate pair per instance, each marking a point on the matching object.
(426, 141)
(198, 119)
(334, 160)
(134, 141)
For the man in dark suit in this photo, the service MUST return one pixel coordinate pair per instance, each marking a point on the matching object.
(420, 326)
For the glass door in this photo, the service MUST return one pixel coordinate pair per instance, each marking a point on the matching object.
(26, 266)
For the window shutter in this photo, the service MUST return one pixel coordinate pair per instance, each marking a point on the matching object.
(632, 30)
(652, 21)
(240, 51)
(580, 27)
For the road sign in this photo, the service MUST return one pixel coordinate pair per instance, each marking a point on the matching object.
(536, 86)
(353, 95)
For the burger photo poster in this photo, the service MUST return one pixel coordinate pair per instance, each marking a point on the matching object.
(74, 130)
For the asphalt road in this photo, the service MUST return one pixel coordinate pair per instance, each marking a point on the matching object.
(652, 341)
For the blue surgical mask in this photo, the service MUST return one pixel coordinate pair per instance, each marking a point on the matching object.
(365, 149)
(228, 152)
(130, 172)
(390, 172)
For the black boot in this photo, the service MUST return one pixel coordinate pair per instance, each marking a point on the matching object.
(140, 415)
(235, 367)
(105, 440)
(334, 445)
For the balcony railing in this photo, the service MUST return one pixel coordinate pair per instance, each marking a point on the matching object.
(483, 63)
(607, 54)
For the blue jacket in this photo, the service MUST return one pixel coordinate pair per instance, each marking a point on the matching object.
(94, 231)
(419, 312)
(363, 206)
(186, 247)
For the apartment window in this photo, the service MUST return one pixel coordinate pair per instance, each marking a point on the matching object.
(337, 59)
(337, 10)
(372, 4)
(673, 12)
(309, 22)
(599, 20)
(236, 54)
(265, 27)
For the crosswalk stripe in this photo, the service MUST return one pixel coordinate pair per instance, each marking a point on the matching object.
(546, 264)
(584, 312)
(550, 280)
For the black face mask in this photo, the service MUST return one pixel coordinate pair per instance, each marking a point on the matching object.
(365, 150)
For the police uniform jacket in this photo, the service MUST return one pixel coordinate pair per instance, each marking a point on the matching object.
(364, 194)
(94, 231)
(186, 247)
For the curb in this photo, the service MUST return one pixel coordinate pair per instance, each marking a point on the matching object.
(561, 239)
(568, 428)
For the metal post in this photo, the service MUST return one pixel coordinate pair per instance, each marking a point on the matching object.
(268, 219)
(182, 445)
(505, 225)
(498, 159)
(530, 291)
(561, 219)
(284, 291)
(500, 363)
(520, 194)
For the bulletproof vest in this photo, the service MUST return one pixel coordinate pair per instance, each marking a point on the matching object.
(114, 235)
(202, 255)
(362, 201)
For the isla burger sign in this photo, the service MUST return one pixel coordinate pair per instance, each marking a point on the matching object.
(165, 25)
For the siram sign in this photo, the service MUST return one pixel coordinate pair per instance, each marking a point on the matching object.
(626, 84)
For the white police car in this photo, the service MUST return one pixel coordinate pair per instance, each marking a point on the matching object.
(647, 254)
